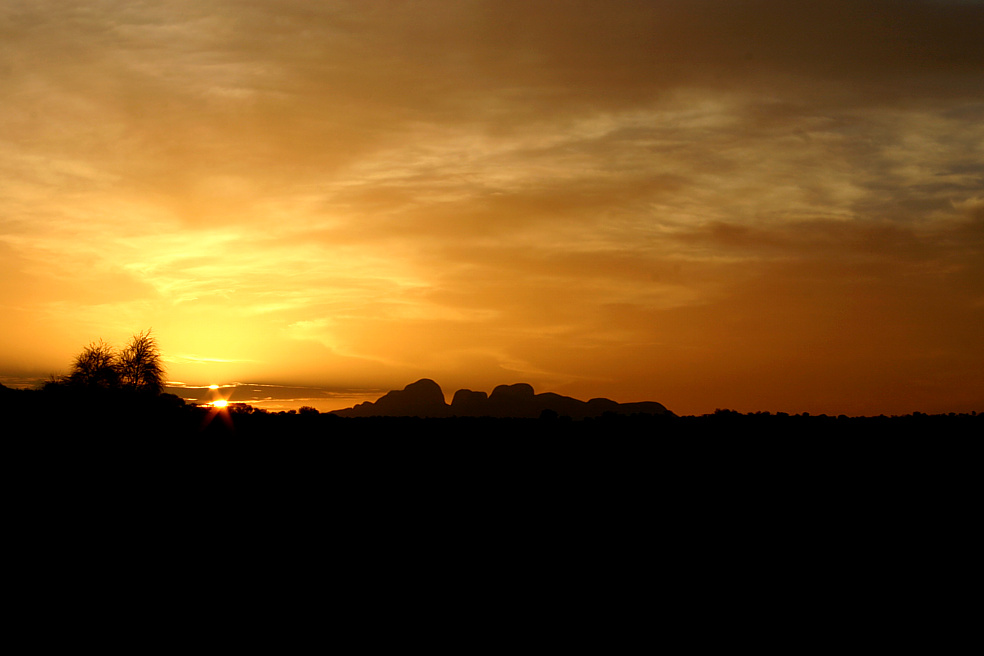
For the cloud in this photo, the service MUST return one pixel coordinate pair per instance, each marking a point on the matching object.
(590, 194)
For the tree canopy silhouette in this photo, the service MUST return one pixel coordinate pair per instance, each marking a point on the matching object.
(95, 366)
(139, 366)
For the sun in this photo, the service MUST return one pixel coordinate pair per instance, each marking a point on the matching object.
(220, 403)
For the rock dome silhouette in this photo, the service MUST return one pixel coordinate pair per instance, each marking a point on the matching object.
(425, 398)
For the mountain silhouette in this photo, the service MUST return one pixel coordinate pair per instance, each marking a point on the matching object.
(424, 398)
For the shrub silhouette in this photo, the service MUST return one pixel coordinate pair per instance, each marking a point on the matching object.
(95, 366)
(138, 367)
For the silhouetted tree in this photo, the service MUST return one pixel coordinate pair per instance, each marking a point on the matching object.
(140, 365)
(95, 366)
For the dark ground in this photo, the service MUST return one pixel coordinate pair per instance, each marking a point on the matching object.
(750, 526)
(65, 414)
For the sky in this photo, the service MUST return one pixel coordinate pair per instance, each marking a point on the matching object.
(765, 205)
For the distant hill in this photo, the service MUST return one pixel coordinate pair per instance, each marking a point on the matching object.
(424, 398)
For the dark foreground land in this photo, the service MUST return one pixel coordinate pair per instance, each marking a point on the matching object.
(135, 448)
(87, 415)
(658, 511)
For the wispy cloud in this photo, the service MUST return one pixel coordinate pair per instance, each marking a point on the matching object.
(644, 200)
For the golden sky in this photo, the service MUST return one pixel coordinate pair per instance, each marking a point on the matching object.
(759, 205)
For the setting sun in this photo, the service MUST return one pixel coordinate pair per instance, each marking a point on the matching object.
(221, 403)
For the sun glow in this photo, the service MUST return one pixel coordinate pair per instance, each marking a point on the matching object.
(220, 403)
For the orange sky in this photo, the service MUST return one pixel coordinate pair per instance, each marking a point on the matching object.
(764, 205)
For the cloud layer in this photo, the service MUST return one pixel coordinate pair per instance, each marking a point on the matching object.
(758, 205)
